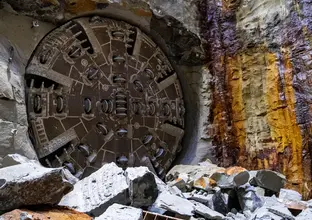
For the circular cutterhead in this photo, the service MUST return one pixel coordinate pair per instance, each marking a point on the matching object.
(100, 91)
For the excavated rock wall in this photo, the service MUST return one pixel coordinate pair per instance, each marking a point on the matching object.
(13, 118)
(260, 61)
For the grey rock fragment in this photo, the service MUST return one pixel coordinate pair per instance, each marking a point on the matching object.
(269, 180)
(288, 194)
(121, 212)
(174, 204)
(305, 215)
(180, 184)
(145, 161)
(220, 203)
(248, 199)
(142, 186)
(14, 159)
(264, 214)
(176, 191)
(225, 181)
(25, 216)
(204, 199)
(70, 177)
(206, 211)
(282, 211)
(237, 216)
(31, 184)
(270, 201)
(95, 193)
(194, 172)
(259, 191)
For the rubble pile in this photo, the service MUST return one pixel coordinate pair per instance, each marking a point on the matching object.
(203, 191)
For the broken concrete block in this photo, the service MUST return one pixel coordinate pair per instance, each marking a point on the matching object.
(31, 184)
(248, 199)
(14, 159)
(142, 186)
(288, 194)
(282, 211)
(174, 204)
(269, 180)
(95, 193)
(206, 211)
(121, 212)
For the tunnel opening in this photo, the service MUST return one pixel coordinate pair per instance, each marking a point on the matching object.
(100, 90)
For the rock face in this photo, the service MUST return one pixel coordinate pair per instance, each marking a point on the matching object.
(13, 118)
(121, 212)
(31, 184)
(261, 110)
(142, 186)
(95, 193)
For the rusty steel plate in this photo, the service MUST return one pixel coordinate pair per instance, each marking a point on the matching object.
(99, 91)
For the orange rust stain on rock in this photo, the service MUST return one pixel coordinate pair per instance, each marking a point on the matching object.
(201, 182)
(234, 170)
(79, 6)
(229, 5)
(281, 115)
(219, 120)
(234, 72)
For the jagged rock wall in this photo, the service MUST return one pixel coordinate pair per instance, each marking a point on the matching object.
(13, 118)
(260, 61)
